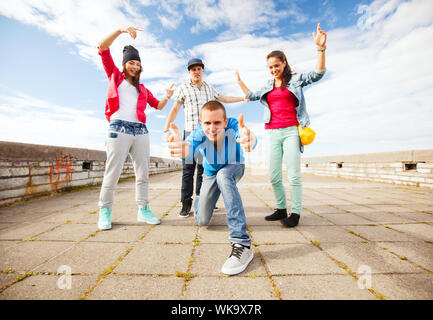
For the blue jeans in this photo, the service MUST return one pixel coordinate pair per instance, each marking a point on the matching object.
(188, 169)
(224, 182)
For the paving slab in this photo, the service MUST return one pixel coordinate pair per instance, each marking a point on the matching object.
(297, 259)
(404, 286)
(321, 287)
(270, 235)
(420, 253)
(378, 260)
(66, 232)
(230, 288)
(156, 259)
(327, 234)
(122, 287)
(120, 233)
(419, 230)
(381, 233)
(48, 287)
(26, 256)
(87, 257)
(24, 231)
(171, 234)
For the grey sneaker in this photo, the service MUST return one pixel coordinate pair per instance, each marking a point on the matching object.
(238, 260)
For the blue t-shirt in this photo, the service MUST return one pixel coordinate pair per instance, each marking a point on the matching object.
(231, 151)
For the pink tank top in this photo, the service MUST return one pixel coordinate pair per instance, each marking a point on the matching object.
(283, 109)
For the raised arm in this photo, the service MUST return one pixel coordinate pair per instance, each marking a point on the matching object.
(227, 99)
(169, 93)
(242, 84)
(320, 41)
(108, 41)
(171, 117)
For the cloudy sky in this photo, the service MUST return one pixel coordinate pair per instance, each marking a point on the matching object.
(376, 95)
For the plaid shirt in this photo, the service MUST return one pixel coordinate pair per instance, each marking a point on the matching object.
(193, 98)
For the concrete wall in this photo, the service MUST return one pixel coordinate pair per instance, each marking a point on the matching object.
(28, 170)
(411, 168)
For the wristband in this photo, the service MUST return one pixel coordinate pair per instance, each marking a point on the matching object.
(321, 48)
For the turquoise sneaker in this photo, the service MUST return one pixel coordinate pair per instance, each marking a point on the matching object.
(145, 215)
(104, 222)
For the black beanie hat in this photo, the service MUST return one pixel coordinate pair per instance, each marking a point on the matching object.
(130, 53)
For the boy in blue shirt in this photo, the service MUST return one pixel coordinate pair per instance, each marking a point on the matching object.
(221, 141)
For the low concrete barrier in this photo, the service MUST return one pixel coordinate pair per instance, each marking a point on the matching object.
(29, 170)
(411, 168)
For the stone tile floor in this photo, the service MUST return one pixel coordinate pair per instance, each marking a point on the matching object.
(356, 240)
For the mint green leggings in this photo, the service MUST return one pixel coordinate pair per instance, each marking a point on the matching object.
(285, 142)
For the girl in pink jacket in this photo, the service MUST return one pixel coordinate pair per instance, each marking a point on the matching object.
(125, 107)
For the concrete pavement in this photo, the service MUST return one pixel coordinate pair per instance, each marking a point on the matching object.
(351, 235)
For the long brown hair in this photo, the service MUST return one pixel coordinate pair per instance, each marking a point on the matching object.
(135, 80)
(287, 72)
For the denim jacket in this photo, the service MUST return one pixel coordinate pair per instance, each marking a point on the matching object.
(295, 86)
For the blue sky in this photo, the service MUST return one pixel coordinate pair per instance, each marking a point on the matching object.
(375, 96)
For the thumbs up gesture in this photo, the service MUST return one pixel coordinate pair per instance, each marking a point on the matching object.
(178, 147)
(247, 139)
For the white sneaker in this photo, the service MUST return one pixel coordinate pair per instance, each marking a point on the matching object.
(238, 260)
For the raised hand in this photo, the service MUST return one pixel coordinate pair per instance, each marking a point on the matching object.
(170, 91)
(247, 139)
(178, 147)
(238, 77)
(319, 37)
(132, 31)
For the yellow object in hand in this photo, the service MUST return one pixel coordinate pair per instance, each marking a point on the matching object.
(306, 134)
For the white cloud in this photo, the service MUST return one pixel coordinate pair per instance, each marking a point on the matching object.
(42, 122)
(376, 95)
(85, 23)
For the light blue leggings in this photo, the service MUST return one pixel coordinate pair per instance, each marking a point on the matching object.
(285, 142)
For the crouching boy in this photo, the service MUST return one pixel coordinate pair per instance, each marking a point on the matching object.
(221, 141)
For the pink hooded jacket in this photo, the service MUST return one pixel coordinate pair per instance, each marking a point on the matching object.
(115, 78)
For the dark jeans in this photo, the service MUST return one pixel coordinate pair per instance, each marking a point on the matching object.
(188, 170)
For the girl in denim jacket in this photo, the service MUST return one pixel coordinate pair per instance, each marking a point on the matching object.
(284, 110)
(125, 110)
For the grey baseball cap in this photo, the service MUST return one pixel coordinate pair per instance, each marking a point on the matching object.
(194, 62)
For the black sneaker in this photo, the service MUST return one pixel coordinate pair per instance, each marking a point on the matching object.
(277, 215)
(186, 208)
(291, 221)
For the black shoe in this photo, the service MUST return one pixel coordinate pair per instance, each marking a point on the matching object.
(277, 215)
(291, 221)
(186, 208)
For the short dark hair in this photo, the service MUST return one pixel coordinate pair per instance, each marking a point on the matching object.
(214, 106)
